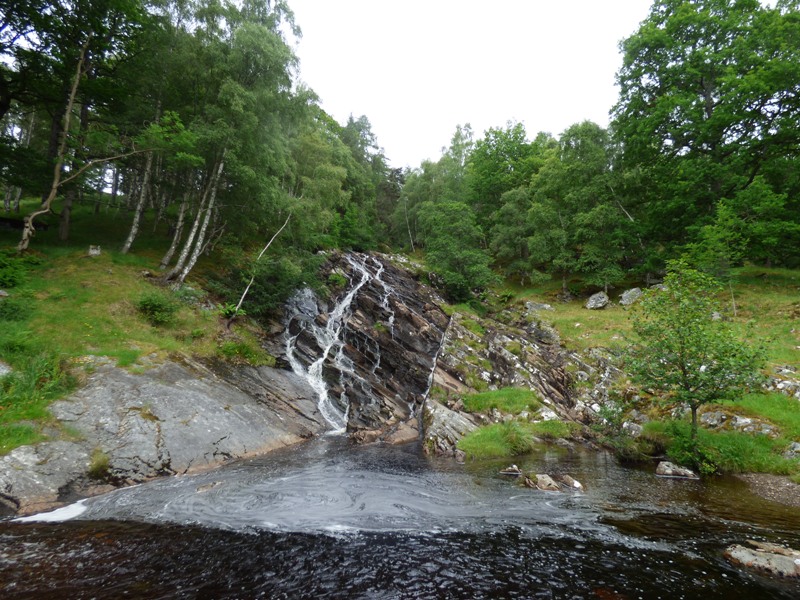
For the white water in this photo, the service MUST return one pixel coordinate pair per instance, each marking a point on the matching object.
(329, 339)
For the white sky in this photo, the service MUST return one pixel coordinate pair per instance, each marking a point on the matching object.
(418, 68)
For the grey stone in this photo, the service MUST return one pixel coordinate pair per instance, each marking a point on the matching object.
(32, 478)
(597, 301)
(444, 427)
(713, 419)
(630, 296)
(570, 482)
(766, 558)
(4, 369)
(3, 294)
(793, 451)
(632, 429)
(537, 306)
(668, 469)
(660, 287)
(94, 251)
(546, 483)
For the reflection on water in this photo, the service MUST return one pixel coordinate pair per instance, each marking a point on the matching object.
(330, 520)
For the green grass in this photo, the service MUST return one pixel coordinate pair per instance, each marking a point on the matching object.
(766, 298)
(15, 435)
(780, 410)
(512, 438)
(552, 430)
(64, 305)
(507, 400)
(722, 451)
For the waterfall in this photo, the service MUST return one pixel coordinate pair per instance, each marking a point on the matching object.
(329, 339)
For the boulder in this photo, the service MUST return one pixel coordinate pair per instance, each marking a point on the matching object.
(546, 483)
(630, 296)
(4, 369)
(3, 294)
(713, 419)
(632, 429)
(444, 427)
(668, 469)
(597, 301)
(571, 483)
(766, 558)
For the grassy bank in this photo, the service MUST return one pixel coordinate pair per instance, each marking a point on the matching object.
(65, 310)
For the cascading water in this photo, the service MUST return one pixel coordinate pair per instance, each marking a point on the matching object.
(329, 339)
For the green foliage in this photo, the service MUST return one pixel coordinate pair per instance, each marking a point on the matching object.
(99, 465)
(722, 452)
(25, 393)
(499, 439)
(553, 429)
(244, 351)
(158, 308)
(14, 308)
(229, 310)
(337, 280)
(453, 251)
(12, 271)
(15, 435)
(680, 352)
(507, 400)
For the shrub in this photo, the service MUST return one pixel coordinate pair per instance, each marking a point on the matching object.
(14, 309)
(157, 308)
(12, 271)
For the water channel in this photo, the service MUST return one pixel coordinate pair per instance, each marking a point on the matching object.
(327, 519)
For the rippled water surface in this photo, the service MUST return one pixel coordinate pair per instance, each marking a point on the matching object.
(327, 520)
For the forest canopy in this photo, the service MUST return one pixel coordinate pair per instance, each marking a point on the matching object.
(190, 116)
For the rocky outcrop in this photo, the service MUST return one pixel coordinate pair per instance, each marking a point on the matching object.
(171, 419)
(765, 558)
(444, 427)
(380, 369)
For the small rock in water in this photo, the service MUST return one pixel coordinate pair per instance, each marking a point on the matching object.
(668, 469)
(571, 483)
(513, 470)
(546, 483)
(765, 557)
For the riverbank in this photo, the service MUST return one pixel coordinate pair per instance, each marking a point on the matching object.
(775, 488)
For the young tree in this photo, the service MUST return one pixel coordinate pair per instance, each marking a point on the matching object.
(681, 353)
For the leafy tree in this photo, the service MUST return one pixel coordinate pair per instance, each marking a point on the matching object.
(708, 101)
(452, 248)
(498, 163)
(681, 353)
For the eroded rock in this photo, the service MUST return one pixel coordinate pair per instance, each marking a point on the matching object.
(766, 558)
(597, 301)
(668, 469)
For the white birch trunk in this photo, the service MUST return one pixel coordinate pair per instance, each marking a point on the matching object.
(137, 215)
(198, 245)
(176, 238)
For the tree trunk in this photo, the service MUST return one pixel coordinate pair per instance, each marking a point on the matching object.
(66, 211)
(176, 238)
(198, 245)
(187, 245)
(137, 215)
(7, 199)
(29, 229)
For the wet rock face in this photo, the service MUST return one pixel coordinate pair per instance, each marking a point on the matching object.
(172, 419)
(380, 367)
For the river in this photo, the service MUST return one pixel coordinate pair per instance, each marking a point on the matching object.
(327, 519)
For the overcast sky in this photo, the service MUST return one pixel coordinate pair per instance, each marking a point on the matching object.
(418, 68)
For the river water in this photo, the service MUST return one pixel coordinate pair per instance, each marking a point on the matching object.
(330, 520)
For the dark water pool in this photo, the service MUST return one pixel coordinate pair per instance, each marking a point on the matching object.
(327, 520)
